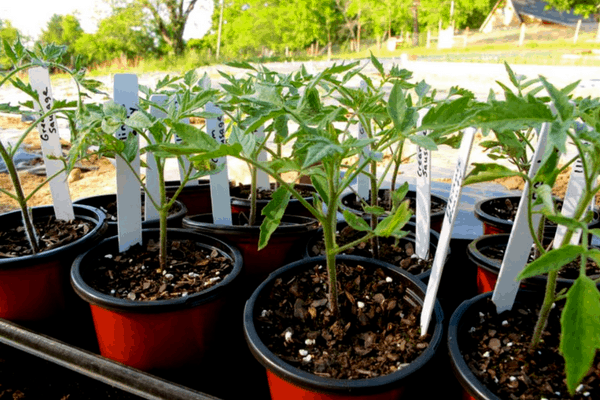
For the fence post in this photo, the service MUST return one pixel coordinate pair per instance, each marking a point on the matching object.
(522, 35)
(428, 38)
(466, 36)
(577, 31)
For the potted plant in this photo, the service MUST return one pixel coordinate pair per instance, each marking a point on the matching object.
(326, 298)
(175, 286)
(555, 332)
(36, 248)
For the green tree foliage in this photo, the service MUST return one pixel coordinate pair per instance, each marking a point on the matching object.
(125, 33)
(580, 7)
(8, 33)
(63, 30)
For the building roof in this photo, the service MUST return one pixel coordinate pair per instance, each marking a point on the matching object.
(537, 9)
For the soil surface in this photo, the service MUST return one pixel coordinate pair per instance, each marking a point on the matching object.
(496, 351)
(385, 201)
(377, 332)
(136, 274)
(52, 233)
(569, 271)
(399, 252)
(243, 192)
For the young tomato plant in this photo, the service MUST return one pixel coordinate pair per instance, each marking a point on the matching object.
(185, 98)
(22, 60)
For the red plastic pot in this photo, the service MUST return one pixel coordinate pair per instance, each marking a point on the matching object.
(290, 383)
(284, 245)
(488, 268)
(240, 205)
(173, 221)
(493, 225)
(162, 334)
(196, 198)
(36, 287)
(437, 218)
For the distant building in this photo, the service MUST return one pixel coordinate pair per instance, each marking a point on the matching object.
(512, 13)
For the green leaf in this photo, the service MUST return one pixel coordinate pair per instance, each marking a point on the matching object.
(378, 66)
(561, 100)
(221, 151)
(246, 140)
(392, 224)
(511, 75)
(422, 89)
(356, 222)
(318, 151)
(580, 325)
(559, 219)
(485, 172)
(131, 148)
(374, 210)
(320, 184)
(194, 137)
(423, 141)
(240, 64)
(9, 51)
(399, 194)
(273, 213)
(139, 120)
(551, 261)
(595, 232)
(396, 107)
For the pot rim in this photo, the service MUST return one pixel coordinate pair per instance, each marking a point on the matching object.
(97, 298)
(241, 201)
(85, 212)
(330, 385)
(180, 214)
(298, 225)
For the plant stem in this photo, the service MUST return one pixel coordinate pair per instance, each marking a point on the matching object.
(14, 177)
(163, 212)
(329, 235)
(374, 193)
(397, 162)
(253, 194)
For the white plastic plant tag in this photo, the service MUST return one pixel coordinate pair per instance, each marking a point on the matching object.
(262, 179)
(50, 141)
(517, 251)
(219, 182)
(152, 181)
(186, 163)
(129, 201)
(574, 191)
(363, 182)
(423, 196)
(451, 210)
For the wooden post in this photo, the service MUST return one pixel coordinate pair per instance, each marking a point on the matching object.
(466, 36)
(522, 35)
(577, 31)
(428, 38)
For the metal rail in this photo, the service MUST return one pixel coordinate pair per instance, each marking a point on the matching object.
(94, 366)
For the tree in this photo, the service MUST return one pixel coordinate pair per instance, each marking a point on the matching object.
(580, 7)
(10, 34)
(168, 18)
(63, 30)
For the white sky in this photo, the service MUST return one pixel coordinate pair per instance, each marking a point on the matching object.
(32, 16)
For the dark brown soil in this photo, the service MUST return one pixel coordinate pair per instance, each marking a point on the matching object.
(52, 233)
(377, 332)
(399, 252)
(111, 210)
(386, 203)
(569, 271)
(23, 376)
(497, 353)
(136, 274)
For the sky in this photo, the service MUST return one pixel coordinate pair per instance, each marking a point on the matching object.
(32, 16)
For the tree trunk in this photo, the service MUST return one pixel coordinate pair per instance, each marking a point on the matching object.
(415, 39)
(358, 33)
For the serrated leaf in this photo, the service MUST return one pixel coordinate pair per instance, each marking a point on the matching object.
(378, 66)
(240, 64)
(560, 100)
(273, 213)
(320, 184)
(422, 89)
(595, 232)
(580, 325)
(511, 75)
(9, 51)
(399, 194)
(423, 141)
(246, 140)
(194, 137)
(318, 151)
(392, 224)
(485, 172)
(396, 107)
(559, 219)
(374, 210)
(139, 120)
(356, 222)
(551, 261)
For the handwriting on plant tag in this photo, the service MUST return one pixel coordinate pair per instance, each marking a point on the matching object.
(454, 190)
(48, 124)
(123, 133)
(219, 134)
(422, 161)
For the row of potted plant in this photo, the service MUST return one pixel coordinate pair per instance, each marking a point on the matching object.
(343, 325)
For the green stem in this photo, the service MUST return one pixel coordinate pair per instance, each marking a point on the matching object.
(345, 247)
(253, 195)
(397, 162)
(20, 197)
(374, 221)
(329, 228)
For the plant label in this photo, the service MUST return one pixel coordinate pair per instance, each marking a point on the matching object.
(363, 182)
(423, 197)
(39, 79)
(262, 179)
(520, 240)
(219, 182)
(184, 166)
(449, 218)
(129, 201)
(152, 180)
(574, 191)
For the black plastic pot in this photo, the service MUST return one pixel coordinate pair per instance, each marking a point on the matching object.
(36, 287)
(284, 245)
(410, 227)
(290, 383)
(101, 201)
(240, 205)
(161, 334)
(196, 198)
(493, 225)
(488, 268)
(437, 218)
